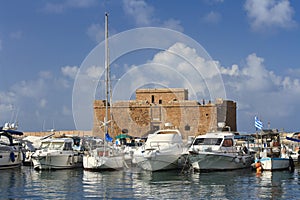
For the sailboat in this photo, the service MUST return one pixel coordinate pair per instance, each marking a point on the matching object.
(103, 155)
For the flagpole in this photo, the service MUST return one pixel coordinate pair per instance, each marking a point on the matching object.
(258, 125)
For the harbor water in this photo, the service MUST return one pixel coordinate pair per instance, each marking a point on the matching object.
(27, 183)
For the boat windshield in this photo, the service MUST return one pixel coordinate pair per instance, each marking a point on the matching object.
(208, 141)
(45, 145)
(56, 145)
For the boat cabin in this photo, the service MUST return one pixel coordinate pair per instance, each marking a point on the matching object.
(215, 142)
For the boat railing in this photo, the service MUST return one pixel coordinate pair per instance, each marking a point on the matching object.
(213, 149)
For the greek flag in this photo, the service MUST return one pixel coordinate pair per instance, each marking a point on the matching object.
(258, 123)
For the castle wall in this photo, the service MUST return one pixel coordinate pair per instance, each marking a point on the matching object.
(143, 115)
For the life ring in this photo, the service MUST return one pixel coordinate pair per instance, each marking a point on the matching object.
(12, 156)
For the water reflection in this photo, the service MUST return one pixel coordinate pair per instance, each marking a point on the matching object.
(277, 185)
(107, 184)
(26, 183)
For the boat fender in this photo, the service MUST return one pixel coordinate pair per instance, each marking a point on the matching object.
(12, 156)
(27, 156)
(23, 156)
(236, 159)
(244, 160)
(291, 164)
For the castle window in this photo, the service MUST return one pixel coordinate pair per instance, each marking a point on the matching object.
(187, 127)
(160, 101)
(152, 101)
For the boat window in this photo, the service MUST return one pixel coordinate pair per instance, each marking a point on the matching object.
(227, 143)
(68, 146)
(208, 141)
(45, 145)
(56, 145)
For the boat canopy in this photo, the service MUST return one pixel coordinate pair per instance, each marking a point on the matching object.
(293, 139)
(12, 132)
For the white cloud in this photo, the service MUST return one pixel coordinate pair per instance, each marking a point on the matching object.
(96, 32)
(68, 4)
(43, 103)
(173, 24)
(45, 74)
(269, 14)
(294, 72)
(212, 2)
(38, 100)
(16, 34)
(94, 72)
(66, 111)
(233, 71)
(212, 17)
(31, 89)
(259, 91)
(54, 8)
(179, 66)
(70, 71)
(143, 14)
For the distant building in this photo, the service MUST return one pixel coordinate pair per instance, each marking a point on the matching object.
(155, 107)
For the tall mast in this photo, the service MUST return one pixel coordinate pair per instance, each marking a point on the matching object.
(106, 73)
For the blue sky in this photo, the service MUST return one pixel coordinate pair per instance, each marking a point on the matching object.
(253, 43)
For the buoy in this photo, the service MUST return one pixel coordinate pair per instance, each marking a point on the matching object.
(258, 167)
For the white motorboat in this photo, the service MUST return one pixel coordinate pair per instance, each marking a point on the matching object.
(57, 153)
(11, 154)
(30, 145)
(105, 155)
(274, 155)
(217, 151)
(161, 151)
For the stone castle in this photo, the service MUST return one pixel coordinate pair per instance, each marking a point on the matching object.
(155, 107)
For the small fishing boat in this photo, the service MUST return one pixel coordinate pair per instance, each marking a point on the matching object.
(217, 151)
(11, 154)
(57, 153)
(162, 150)
(273, 155)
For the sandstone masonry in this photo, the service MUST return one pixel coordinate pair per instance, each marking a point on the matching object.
(155, 107)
